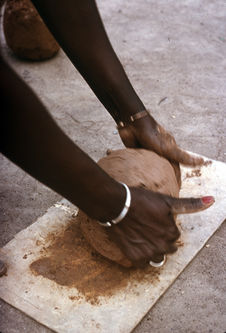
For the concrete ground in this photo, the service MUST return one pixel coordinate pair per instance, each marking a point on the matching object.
(175, 55)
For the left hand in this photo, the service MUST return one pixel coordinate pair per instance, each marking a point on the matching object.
(149, 230)
(148, 134)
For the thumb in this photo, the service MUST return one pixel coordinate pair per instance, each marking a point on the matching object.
(190, 205)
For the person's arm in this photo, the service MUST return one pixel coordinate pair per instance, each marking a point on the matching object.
(32, 140)
(78, 28)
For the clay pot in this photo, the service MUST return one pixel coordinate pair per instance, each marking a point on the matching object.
(25, 32)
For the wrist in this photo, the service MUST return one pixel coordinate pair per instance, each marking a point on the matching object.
(109, 201)
(123, 212)
(132, 118)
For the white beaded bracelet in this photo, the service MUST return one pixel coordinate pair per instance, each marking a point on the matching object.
(123, 212)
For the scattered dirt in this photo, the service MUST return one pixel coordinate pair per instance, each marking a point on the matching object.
(208, 162)
(27, 254)
(70, 261)
(179, 243)
(194, 173)
(74, 298)
(197, 172)
(38, 242)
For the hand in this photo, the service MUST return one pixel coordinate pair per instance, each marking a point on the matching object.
(147, 133)
(149, 230)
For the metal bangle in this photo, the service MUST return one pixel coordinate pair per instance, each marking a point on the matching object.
(132, 118)
(158, 264)
(123, 212)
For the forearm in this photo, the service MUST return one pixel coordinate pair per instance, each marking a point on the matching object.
(32, 140)
(78, 28)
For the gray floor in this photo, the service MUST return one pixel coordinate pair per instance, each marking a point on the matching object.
(171, 50)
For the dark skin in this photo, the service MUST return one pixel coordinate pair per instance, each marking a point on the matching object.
(32, 140)
(147, 133)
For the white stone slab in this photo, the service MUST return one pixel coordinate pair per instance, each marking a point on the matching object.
(49, 303)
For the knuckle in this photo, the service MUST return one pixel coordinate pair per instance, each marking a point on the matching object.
(177, 233)
(173, 232)
(195, 203)
(172, 248)
(135, 255)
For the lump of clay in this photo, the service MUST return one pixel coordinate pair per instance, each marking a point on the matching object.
(26, 33)
(134, 167)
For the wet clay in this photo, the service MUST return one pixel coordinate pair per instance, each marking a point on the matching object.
(26, 33)
(70, 261)
(134, 167)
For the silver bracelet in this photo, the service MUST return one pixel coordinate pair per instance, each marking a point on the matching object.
(123, 212)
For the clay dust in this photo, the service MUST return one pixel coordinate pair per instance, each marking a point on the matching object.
(70, 261)
(197, 172)
(194, 173)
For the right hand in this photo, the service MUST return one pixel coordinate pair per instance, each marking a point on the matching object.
(149, 231)
(148, 134)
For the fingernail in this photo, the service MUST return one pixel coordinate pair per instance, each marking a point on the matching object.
(207, 200)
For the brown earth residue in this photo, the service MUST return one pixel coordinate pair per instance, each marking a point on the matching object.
(179, 243)
(208, 162)
(71, 262)
(194, 173)
(74, 298)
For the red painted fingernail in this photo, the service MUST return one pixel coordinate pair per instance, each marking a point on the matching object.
(207, 200)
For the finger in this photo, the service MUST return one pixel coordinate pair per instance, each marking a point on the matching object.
(159, 234)
(143, 256)
(165, 241)
(179, 155)
(143, 248)
(138, 255)
(136, 248)
(190, 205)
(172, 232)
(147, 229)
(160, 242)
(157, 258)
(132, 248)
(169, 148)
